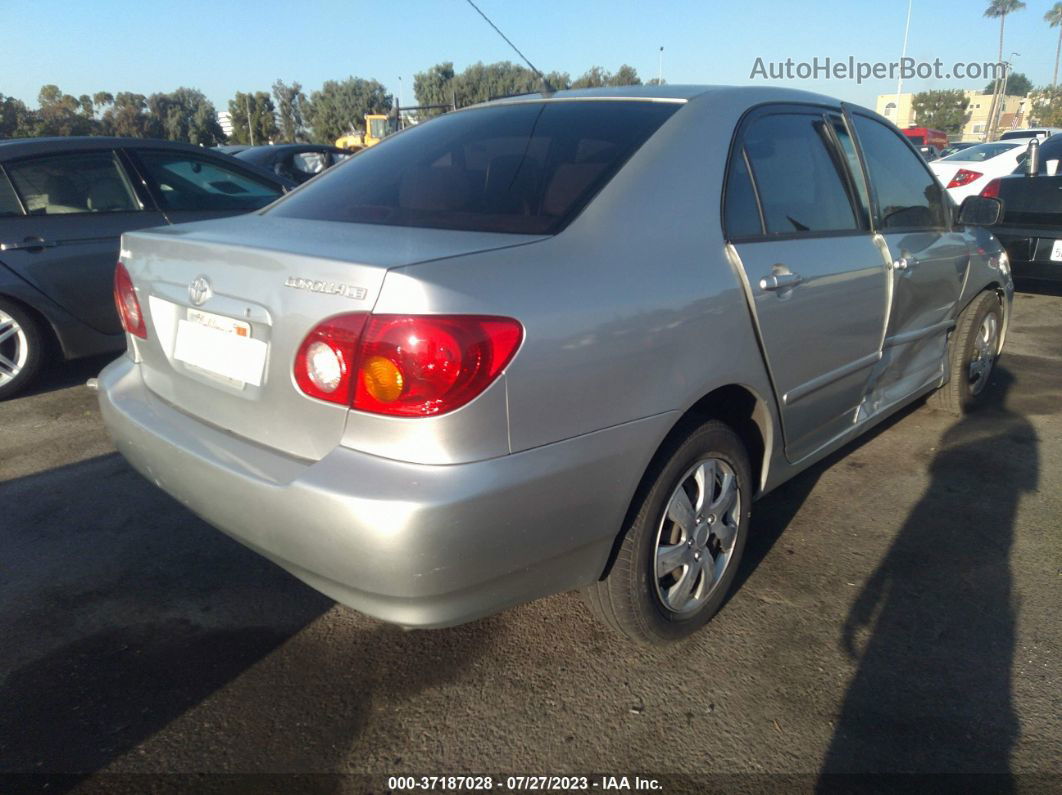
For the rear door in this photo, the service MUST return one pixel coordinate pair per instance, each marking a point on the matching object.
(76, 205)
(928, 258)
(797, 215)
(188, 186)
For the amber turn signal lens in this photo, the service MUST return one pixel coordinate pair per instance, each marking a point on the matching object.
(382, 379)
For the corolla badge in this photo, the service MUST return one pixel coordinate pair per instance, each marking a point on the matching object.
(327, 287)
(200, 290)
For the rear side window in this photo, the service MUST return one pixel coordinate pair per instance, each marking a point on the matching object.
(187, 182)
(908, 196)
(82, 182)
(525, 168)
(8, 201)
(800, 182)
(741, 213)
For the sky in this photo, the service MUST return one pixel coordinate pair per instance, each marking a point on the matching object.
(225, 46)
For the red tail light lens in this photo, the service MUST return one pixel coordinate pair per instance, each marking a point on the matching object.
(429, 364)
(964, 177)
(324, 364)
(405, 365)
(991, 190)
(126, 302)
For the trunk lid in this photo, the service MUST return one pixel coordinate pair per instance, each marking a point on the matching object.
(1031, 201)
(267, 282)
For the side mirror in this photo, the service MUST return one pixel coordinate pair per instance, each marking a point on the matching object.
(1032, 158)
(980, 211)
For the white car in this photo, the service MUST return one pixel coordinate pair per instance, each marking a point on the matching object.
(966, 172)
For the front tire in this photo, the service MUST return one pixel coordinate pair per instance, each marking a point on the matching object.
(975, 348)
(681, 550)
(21, 349)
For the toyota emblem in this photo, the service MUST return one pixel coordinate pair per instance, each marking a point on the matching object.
(199, 290)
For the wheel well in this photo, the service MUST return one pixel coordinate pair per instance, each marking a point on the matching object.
(738, 407)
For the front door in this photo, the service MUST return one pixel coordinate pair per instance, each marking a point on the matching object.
(77, 205)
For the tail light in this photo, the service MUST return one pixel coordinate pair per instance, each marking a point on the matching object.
(127, 304)
(405, 365)
(991, 190)
(964, 177)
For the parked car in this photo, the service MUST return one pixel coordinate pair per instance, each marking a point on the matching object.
(1031, 227)
(297, 162)
(64, 203)
(929, 153)
(1041, 133)
(552, 342)
(965, 173)
(958, 146)
(231, 149)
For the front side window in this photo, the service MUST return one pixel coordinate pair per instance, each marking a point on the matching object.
(908, 196)
(520, 168)
(82, 182)
(801, 187)
(187, 182)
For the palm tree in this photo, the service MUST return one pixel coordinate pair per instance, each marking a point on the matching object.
(998, 9)
(1054, 19)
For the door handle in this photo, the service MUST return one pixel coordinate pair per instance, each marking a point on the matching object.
(28, 244)
(780, 281)
(903, 263)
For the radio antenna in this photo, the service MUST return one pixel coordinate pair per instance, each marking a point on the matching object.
(549, 87)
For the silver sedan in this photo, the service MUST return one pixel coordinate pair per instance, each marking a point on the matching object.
(549, 343)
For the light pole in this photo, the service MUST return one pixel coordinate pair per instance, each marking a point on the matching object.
(903, 54)
(660, 68)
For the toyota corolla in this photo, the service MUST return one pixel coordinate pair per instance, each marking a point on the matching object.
(552, 342)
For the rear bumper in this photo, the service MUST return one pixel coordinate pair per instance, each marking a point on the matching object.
(1030, 255)
(416, 545)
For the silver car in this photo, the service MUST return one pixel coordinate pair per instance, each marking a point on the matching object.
(549, 343)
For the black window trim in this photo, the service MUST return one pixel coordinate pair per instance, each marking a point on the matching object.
(837, 156)
(878, 228)
(116, 156)
(14, 191)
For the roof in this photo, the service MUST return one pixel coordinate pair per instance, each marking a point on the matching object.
(18, 147)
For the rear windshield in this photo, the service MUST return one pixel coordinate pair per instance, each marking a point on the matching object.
(982, 152)
(525, 168)
(1021, 134)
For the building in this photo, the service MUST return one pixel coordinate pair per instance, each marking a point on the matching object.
(1014, 116)
(225, 120)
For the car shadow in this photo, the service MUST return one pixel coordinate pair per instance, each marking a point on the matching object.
(1038, 286)
(121, 613)
(933, 628)
(61, 374)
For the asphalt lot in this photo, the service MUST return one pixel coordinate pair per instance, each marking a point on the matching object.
(897, 611)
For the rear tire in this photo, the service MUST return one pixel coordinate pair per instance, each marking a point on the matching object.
(21, 348)
(682, 547)
(974, 350)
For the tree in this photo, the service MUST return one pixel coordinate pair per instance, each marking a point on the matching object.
(61, 114)
(340, 106)
(998, 9)
(434, 87)
(291, 103)
(1046, 106)
(1018, 85)
(16, 120)
(127, 116)
(185, 115)
(1054, 19)
(597, 77)
(259, 108)
(102, 98)
(941, 110)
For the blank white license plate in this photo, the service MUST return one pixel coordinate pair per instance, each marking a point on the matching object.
(1056, 251)
(220, 345)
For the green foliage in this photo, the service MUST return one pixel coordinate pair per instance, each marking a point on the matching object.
(127, 116)
(259, 108)
(1018, 85)
(291, 108)
(1000, 8)
(597, 77)
(340, 106)
(61, 114)
(1046, 106)
(941, 110)
(16, 120)
(185, 115)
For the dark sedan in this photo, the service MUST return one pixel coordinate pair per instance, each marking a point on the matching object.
(1031, 228)
(297, 162)
(64, 204)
